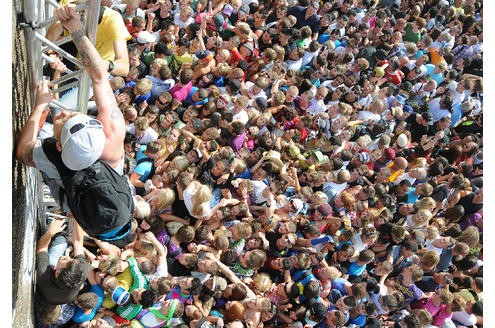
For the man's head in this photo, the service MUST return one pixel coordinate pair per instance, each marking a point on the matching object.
(70, 272)
(80, 138)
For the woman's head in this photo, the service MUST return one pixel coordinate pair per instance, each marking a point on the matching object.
(202, 196)
(235, 311)
(163, 199)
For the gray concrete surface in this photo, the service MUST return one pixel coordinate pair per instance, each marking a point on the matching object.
(24, 191)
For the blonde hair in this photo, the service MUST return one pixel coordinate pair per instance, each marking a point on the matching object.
(321, 197)
(141, 123)
(143, 86)
(262, 281)
(422, 217)
(64, 120)
(165, 197)
(430, 258)
(160, 62)
(202, 195)
(145, 249)
(419, 162)
(142, 209)
(242, 101)
(180, 163)
(470, 236)
(427, 203)
(334, 273)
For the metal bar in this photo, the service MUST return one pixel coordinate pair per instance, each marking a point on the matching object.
(66, 87)
(61, 51)
(73, 75)
(92, 14)
(54, 3)
(59, 105)
(63, 40)
(52, 20)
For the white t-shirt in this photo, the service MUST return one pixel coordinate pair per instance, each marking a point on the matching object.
(464, 318)
(188, 194)
(149, 136)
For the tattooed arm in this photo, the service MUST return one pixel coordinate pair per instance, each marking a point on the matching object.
(108, 112)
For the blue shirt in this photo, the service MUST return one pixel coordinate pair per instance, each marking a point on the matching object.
(355, 270)
(80, 316)
(144, 168)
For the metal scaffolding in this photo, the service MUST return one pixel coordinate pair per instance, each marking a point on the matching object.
(38, 15)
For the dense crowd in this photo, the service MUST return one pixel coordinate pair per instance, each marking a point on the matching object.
(293, 164)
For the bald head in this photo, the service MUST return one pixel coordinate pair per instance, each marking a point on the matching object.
(400, 163)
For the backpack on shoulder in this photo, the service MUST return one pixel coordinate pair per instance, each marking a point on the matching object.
(99, 198)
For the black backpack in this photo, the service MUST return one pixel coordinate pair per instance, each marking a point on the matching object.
(99, 198)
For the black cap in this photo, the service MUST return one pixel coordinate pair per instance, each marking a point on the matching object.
(162, 49)
(381, 54)
(428, 117)
(234, 85)
(261, 102)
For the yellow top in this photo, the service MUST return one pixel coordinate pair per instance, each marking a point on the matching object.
(110, 29)
(125, 281)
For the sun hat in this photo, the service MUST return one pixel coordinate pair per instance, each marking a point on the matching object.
(82, 139)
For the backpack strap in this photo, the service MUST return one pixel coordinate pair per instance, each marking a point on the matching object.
(49, 146)
(144, 159)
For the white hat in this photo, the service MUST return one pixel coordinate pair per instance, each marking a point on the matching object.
(173, 227)
(298, 204)
(402, 140)
(145, 37)
(273, 156)
(82, 139)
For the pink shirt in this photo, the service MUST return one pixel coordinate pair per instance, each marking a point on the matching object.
(431, 307)
(180, 93)
(441, 316)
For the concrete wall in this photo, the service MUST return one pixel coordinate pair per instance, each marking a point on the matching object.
(24, 190)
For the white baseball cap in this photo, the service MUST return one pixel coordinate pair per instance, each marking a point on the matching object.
(82, 141)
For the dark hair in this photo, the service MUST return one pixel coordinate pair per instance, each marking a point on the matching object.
(87, 300)
(201, 233)
(229, 257)
(311, 289)
(412, 321)
(73, 275)
(148, 298)
(196, 286)
(239, 292)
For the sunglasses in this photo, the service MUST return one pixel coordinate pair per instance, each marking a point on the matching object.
(92, 123)
(162, 103)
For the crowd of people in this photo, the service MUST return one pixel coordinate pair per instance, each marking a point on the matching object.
(292, 163)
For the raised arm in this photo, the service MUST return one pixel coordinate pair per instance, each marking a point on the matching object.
(108, 112)
(29, 133)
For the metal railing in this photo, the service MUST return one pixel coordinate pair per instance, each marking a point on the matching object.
(38, 16)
